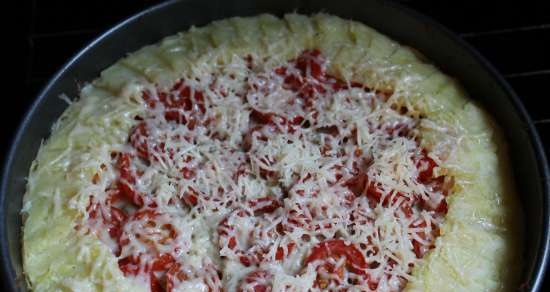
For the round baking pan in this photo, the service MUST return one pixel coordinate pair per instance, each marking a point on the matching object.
(442, 47)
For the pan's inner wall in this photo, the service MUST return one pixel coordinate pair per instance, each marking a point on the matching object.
(166, 19)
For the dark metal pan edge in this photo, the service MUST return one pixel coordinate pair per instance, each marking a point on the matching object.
(9, 277)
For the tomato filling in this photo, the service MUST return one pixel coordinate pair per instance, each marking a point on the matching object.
(257, 231)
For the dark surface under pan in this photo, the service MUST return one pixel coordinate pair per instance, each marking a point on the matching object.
(452, 55)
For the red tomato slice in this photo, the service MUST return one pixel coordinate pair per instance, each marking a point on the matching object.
(312, 78)
(257, 132)
(336, 249)
(150, 235)
(272, 119)
(442, 207)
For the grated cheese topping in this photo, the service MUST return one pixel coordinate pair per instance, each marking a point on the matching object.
(258, 175)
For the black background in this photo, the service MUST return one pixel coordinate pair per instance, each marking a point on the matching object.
(513, 36)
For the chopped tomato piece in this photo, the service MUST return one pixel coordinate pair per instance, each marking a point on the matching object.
(117, 220)
(155, 284)
(329, 130)
(265, 172)
(309, 80)
(242, 233)
(263, 205)
(425, 167)
(183, 98)
(280, 254)
(296, 218)
(421, 248)
(256, 281)
(129, 193)
(257, 132)
(123, 165)
(112, 217)
(191, 197)
(228, 237)
(360, 184)
(127, 180)
(261, 117)
(272, 119)
(209, 276)
(357, 184)
(396, 129)
(130, 265)
(138, 140)
(144, 226)
(310, 63)
(187, 173)
(373, 191)
(441, 207)
(173, 276)
(163, 263)
(148, 99)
